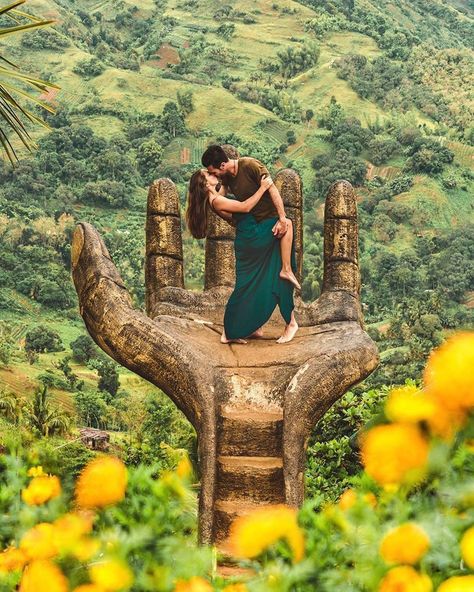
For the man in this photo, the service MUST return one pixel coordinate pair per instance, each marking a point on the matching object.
(242, 177)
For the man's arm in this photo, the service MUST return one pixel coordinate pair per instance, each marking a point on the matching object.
(277, 201)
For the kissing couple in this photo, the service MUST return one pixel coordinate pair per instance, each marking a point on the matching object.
(265, 261)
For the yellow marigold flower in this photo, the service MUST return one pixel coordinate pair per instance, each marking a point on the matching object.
(408, 404)
(102, 482)
(39, 542)
(111, 575)
(467, 547)
(404, 544)
(235, 588)
(347, 499)
(43, 576)
(184, 468)
(69, 529)
(12, 559)
(35, 471)
(89, 588)
(446, 421)
(253, 533)
(370, 498)
(41, 489)
(394, 453)
(405, 579)
(195, 584)
(448, 373)
(457, 584)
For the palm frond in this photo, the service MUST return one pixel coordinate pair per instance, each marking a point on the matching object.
(24, 27)
(11, 111)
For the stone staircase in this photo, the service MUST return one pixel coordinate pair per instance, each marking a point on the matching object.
(249, 466)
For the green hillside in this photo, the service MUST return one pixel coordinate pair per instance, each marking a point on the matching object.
(375, 92)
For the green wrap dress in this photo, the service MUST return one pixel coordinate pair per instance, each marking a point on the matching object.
(258, 285)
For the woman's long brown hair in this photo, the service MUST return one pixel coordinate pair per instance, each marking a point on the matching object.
(196, 211)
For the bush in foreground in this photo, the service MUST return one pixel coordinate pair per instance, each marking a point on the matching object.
(406, 525)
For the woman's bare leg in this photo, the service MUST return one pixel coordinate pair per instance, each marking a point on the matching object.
(289, 331)
(285, 247)
(257, 333)
(225, 340)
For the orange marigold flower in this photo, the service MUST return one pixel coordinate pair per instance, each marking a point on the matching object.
(394, 453)
(111, 575)
(41, 489)
(347, 499)
(12, 559)
(102, 482)
(457, 584)
(404, 544)
(467, 547)
(253, 533)
(39, 542)
(43, 576)
(195, 584)
(35, 471)
(184, 468)
(409, 404)
(448, 374)
(235, 588)
(405, 579)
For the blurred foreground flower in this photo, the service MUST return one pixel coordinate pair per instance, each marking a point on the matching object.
(43, 576)
(102, 483)
(251, 534)
(41, 489)
(458, 584)
(12, 559)
(111, 575)
(349, 498)
(394, 453)
(467, 547)
(404, 544)
(195, 584)
(449, 375)
(39, 542)
(405, 579)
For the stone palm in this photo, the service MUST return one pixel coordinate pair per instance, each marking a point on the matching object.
(253, 406)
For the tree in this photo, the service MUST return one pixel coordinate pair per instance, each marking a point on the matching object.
(149, 155)
(226, 31)
(83, 349)
(41, 339)
(108, 375)
(92, 409)
(185, 101)
(172, 120)
(89, 68)
(11, 406)
(11, 111)
(44, 416)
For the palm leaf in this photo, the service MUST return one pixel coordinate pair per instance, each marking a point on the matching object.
(11, 111)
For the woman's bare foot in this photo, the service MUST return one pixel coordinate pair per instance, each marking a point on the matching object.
(225, 340)
(289, 331)
(290, 276)
(257, 333)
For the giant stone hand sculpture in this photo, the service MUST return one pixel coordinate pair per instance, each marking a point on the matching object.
(253, 406)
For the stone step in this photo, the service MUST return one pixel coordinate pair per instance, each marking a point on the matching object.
(225, 512)
(250, 433)
(250, 478)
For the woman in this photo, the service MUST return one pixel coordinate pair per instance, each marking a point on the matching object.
(264, 265)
